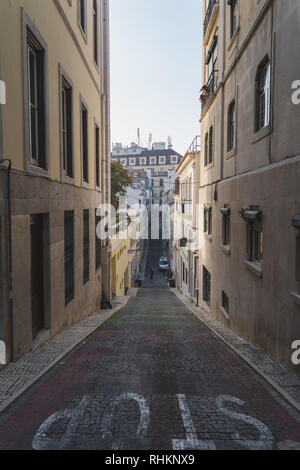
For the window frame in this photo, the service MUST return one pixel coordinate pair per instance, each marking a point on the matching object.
(234, 8)
(82, 24)
(98, 169)
(211, 146)
(86, 246)
(226, 228)
(255, 245)
(69, 259)
(32, 39)
(96, 33)
(231, 126)
(207, 220)
(84, 145)
(260, 93)
(65, 83)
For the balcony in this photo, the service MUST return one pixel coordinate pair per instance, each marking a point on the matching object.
(195, 145)
(209, 89)
(211, 14)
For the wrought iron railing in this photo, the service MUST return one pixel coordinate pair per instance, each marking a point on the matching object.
(209, 88)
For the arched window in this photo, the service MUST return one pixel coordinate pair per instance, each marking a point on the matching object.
(211, 145)
(263, 95)
(231, 134)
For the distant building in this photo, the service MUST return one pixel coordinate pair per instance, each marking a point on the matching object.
(158, 162)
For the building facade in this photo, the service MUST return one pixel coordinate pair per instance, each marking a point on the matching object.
(249, 255)
(186, 218)
(159, 162)
(55, 131)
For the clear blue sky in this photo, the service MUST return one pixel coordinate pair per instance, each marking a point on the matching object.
(155, 70)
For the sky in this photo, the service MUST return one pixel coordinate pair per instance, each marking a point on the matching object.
(155, 48)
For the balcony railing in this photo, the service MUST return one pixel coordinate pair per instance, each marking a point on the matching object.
(195, 145)
(209, 11)
(209, 88)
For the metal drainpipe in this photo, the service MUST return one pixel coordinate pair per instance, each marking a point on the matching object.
(9, 259)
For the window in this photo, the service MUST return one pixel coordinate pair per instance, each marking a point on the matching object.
(82, 15)
(174, 159)
(206, 285)
(225, 302)
(97, 243)
(35, 96)
(211, 145)
(123, 161)
(162, 160)
(86, 246)
(96, 29)
(152, 160)
(254, 242)
(211, 62)
(231, 133)
(226, 225)
(132, 161)
(84, 142)
(97, 154)
(161, 182)
(263, 95)
(69, 256)
(208, 220)
(298, 258)
(206, 150)
(66, 126)
(234, 16)
(143, 161)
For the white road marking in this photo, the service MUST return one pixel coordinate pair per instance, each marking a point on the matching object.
(191, 442)
(265, 441)
(109, 413)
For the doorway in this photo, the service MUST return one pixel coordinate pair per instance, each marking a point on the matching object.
(37, 274)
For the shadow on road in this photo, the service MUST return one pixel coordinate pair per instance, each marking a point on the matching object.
(155, 251)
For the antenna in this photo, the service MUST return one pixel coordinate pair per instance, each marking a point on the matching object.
(150, 142)
(138, 137)
(170, 142)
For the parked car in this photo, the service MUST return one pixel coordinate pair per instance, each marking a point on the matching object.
(163, 264)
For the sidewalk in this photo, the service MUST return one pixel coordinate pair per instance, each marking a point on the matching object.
(18, 376)
(282, 380)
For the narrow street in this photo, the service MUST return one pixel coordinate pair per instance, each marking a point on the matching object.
(152, 377)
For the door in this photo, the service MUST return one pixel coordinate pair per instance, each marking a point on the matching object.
(37, 274)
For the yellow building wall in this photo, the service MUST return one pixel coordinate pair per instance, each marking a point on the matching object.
(46, 17)
(120, 266)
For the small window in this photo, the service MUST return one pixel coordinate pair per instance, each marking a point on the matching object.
(174, 159)
(69, 256)
(234, 16)
(226, 226)
(231, 133)
(263, 95)
(206, 286)
(66, 127)
(254, 242)
(96, 30)
(143, 161)
(225, 302)
(161, 182)
(84, 143)
(123, 161)
(86, 246)
(206, 150)
(211, 145)
(162, 160)
(36, 100)
(208, 220)
(97, 154)
(298, 258)
(97, 243)
(82, 15)
(132, 161)
(152, 160)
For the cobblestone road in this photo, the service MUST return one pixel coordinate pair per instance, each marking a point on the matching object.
(152, 377)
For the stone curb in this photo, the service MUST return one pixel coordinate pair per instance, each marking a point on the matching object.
(271, 381)
(106, 315)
